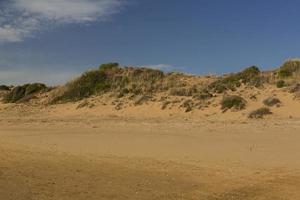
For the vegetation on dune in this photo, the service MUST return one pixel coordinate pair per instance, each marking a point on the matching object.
(271, 101)
(113, 78)
(26, 91)
(260, 113)
(4, 88)
(289, 68)
(250, 76)
(280, 84)
(233, 102)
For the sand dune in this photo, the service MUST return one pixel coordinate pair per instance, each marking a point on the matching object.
(177, 143)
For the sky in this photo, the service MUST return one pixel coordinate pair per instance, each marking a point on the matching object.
(53, 41)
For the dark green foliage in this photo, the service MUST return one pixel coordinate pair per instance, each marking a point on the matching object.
(250, 76)
(88, 84)
(233, 102)
(271, 101)
(24, 92)
(33, 88)
(280, 84)
(4, 87)
(260, 113)
(289, 68)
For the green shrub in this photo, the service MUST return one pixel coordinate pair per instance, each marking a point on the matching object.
(289, 68)
(24, 92)
(259, 113)
(88, 84)
(280, 84)
(271, 101)
(33, 88)
(233, 102)
(250, 76)
(112, 78)
(4, 87)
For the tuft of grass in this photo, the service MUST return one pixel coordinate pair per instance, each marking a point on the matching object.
(280, 84)
(271, 101)
(233, 102)
(259, 113)
(289, 68)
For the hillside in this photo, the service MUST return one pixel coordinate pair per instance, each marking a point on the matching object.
(133, 133)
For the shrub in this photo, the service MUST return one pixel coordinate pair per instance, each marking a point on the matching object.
(24, 92)
(4, 87)
(271, 101)
(86, 85)
(33, 88)
(289, 68)
(280, 84)
(233, 102)
(250, 76)
(259, 113)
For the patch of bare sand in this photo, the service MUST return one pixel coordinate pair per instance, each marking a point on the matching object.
(27, 173)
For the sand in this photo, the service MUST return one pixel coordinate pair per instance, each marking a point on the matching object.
(62, 153)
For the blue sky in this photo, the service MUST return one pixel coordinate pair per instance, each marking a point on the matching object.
(52, 41)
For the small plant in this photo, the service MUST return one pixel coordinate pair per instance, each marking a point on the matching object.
(259, 113)
(280, 84)
(233, 102)
(271, 101)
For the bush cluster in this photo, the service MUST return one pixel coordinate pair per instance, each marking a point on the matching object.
(260, 113)
(21, 92)
(112, 78)
(4, 87)
(289, 68)
(250, 76)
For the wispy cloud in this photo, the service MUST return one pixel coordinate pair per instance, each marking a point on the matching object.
(20, 19)
(160, 66)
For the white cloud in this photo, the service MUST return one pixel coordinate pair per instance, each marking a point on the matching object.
(20, 19)
(159, 66)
